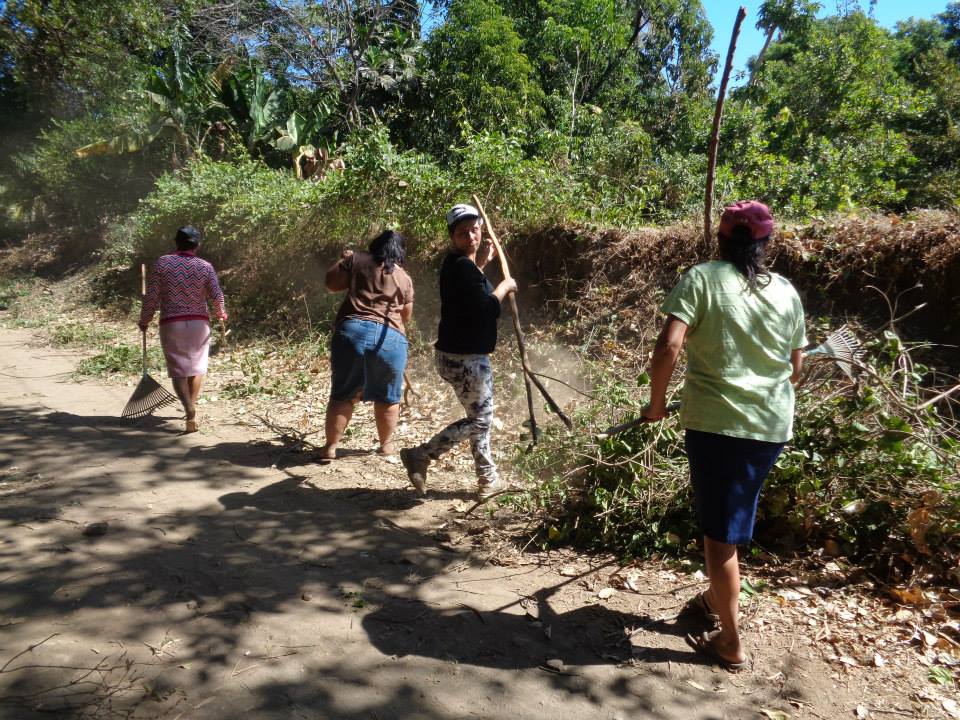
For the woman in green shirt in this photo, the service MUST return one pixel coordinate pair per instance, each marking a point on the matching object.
(744, 331)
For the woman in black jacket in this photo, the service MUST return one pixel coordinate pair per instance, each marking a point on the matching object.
(469, 309)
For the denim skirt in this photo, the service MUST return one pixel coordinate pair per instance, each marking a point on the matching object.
(367, 357)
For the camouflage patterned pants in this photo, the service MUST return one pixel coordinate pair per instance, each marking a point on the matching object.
(472, 379)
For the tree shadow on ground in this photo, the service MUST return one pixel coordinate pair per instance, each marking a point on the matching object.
(273, 453)
(203, 588)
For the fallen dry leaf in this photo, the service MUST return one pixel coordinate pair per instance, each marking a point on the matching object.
(775, 714)
(919, 522)
(909, 596)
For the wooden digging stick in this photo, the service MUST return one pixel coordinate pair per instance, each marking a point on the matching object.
(528, 376)
(715, 131)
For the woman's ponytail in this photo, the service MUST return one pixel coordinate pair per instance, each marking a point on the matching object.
(389, 249)
(747, 254)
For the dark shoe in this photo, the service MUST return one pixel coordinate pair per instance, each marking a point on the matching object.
(698, 604)
(416, 463)
(703, 644)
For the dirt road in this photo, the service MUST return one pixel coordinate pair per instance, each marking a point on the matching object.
(225, 587)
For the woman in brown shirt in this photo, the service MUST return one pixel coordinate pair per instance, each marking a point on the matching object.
(368, 352)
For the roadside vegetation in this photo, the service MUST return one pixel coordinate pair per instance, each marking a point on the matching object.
(583, 126)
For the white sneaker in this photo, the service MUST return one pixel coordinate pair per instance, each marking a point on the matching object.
(488, 489)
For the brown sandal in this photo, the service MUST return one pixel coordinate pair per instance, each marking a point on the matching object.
(326, 454)
(698, 603)
(703, 644)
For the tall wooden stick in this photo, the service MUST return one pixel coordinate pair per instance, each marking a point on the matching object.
(534, 431)
(528, 376)
(715, 131)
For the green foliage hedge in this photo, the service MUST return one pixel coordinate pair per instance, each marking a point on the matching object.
(866, 476)
(271, 235)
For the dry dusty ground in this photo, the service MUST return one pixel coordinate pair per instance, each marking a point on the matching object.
(239, 580)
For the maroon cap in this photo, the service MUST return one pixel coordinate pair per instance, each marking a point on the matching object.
(755, 215)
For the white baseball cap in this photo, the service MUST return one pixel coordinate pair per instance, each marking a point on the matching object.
(461, 212)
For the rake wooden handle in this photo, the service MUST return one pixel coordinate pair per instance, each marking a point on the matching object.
(527, 374)
(143, 331)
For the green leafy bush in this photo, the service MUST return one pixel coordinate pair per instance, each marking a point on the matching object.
(870, 474)
(52, 186)
(74, 333)
(121, 360)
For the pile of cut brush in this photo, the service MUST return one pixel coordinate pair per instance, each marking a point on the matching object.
(870, 476)
(608, 283)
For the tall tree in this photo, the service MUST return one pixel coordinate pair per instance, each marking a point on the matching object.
(831, 104)
(926, 59)
(781, 15)
(950, 19)
(477, 73)
(628, 57)
(72, 54)
(345, 50)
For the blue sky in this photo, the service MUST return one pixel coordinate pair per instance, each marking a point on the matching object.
(722, 13)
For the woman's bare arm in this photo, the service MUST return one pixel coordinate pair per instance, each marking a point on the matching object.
(796, 360)
(337, 279)
(665, 354)
(406, 312)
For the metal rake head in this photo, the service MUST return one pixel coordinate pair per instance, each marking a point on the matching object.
(843, 347)
(148, 396)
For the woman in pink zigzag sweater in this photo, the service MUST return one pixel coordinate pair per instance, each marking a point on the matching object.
(180, 285)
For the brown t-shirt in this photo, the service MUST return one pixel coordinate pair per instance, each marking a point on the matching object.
(373, 294)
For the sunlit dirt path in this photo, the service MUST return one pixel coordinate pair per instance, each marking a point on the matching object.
(224, 587)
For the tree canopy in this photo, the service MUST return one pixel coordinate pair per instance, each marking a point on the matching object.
(616, 94)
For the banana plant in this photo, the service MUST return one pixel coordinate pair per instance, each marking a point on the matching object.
(183, 102)
(304, 134)
(254, 104)
(294, 134)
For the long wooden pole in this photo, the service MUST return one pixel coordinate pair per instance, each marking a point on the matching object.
(143, 298)
(534, 431)
(528, 375)
(715, 131)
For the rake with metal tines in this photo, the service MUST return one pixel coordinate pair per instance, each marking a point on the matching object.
(149, 395)
(843, 347)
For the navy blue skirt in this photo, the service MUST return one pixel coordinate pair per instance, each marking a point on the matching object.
(727, 474)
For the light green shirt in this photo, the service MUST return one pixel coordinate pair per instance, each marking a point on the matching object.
(738, 352)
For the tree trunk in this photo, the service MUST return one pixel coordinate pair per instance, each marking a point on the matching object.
(715, 132)
(761, 55)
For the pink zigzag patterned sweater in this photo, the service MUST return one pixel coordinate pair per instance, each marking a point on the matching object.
(181, 284)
